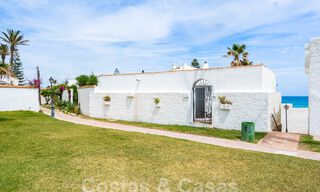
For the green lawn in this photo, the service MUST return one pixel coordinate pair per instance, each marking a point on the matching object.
(307, 142)
(211, 132)
(43, 154)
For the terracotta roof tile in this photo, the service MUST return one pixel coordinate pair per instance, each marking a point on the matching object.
(17, 86)
(88, 86)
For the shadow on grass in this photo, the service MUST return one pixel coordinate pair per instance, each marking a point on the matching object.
(5, 119)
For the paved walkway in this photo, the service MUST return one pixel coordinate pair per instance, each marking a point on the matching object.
(281, 140)
(267, 146)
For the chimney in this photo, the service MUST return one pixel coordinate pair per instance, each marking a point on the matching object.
(205, 65)
(174, 66)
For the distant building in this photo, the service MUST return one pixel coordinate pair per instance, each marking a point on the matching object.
(188, 96)
(7, 78)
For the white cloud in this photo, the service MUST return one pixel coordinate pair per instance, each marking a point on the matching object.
(83, 36)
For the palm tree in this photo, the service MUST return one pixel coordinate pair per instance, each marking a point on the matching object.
(245, 60)
(4, 51)
(238, 51)
(13, 38)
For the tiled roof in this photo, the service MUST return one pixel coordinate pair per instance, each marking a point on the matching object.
(17, 86)
(88, 86)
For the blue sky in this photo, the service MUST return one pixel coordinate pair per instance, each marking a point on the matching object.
(68, 38)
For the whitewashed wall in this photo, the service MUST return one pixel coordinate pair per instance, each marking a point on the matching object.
(312, 64)
(176, 108)
(132, 97)
(256, 78)
(297, 120)
(84, 101)
(253, 107)
(14, 99)
(65, 95)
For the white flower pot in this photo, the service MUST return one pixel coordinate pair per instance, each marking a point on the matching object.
(225, 106)
(186, 95)
(107, 103)
(158, 105)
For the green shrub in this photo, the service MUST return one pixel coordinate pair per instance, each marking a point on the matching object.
(224, 100)
(156, 101)
(93, 80)
(107, 98)
(76, 110)
(46, 93)
(68, 108)
(75, 94)
(83, 80)
(60, 104)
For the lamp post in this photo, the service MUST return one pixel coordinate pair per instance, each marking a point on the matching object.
(51, 80)
(286, 107)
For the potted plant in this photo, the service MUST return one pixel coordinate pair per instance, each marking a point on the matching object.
(156, 101)
(107, 100)
(225, 103)
(131, 95)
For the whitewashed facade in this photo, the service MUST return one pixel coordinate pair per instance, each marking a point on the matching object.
(312, 66)
(6, 78)
(252, 90)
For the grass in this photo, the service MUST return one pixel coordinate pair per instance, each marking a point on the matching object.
(43, 154)
(204, 131)
(307, 143)
(211, 132)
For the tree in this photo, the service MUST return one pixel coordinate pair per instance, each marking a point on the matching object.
(17, 68)
(93, 80)
(245, 60)
(238, 51)
(195, 63)
(116, 71)
(4, 51)
(83, 80)
(13, 39)
(46, 93)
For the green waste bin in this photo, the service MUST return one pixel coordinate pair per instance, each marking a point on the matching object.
(247, 131)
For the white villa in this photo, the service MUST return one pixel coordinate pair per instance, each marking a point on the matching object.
(6, 78)
(312, 66)
(188, 96)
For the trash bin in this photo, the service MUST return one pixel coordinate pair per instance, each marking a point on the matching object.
(247, 131)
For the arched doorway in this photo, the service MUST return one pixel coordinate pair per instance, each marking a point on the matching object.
(202, 102)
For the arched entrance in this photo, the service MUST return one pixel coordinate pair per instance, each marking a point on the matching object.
(202, 102)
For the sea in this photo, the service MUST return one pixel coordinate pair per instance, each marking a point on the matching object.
(296, 101)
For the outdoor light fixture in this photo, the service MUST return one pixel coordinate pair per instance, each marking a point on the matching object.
(51, 80)
(286, 107)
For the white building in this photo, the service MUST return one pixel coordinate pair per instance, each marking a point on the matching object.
(6, 78)
(188, 97)
(312, 66)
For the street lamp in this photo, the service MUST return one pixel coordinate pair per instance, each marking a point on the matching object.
(286, 107)
(51, 80)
